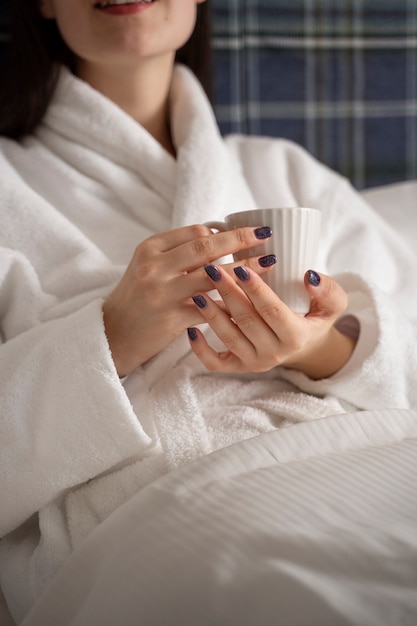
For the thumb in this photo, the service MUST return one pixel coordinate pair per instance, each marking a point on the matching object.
(328, 299)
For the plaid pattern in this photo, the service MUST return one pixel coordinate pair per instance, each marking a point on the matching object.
(337, 76)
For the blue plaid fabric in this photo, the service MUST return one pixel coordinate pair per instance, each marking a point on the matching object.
(337, 76)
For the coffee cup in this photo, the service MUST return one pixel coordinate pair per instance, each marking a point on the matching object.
(294, 240)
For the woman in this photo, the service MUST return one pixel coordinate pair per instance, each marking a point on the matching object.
(110, 164)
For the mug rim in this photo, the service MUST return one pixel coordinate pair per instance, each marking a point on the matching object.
(280, 209)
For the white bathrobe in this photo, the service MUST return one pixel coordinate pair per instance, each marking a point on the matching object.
(76, 198)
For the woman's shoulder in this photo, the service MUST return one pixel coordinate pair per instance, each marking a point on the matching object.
(282, 151)
(280, 170)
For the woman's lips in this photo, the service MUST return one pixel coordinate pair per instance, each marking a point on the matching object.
(125, 8)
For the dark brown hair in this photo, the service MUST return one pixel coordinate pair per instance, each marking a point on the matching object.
(35, 51)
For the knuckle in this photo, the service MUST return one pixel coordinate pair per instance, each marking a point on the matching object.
(245, 321)
(203, 248)
(243, 236)
(197, 231)
(145, 249)
(271, 312)
(230, 341)
(226, 291)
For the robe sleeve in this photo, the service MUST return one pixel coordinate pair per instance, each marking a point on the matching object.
(366, 254)
(378, 270)
(65, 416)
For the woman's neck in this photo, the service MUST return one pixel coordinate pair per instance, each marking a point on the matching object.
(141, 91)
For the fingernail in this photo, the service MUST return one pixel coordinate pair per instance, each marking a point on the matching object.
(200, 301)
(263, 233)
(241, 273)
(266, 261)
(313, 278)
(213, 272)
(192, 333)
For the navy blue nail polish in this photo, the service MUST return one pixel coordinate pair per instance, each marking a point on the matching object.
(213, 272)
(263, 233)
(200, 301)
(241, 273)
(313, 278)
(268, 260)
(192, 333)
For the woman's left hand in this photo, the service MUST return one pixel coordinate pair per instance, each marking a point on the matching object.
(260, 332)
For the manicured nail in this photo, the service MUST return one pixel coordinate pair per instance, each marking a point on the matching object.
(192, 333)
(266, 261)
(263, 233)
(241, 273)
(313, 278)
(200, 301)
(213, 272)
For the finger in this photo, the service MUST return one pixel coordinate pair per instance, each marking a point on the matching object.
(214, 361)
(203, 250)
(283, 322)
(163, 242)
(259, 264)
(328, 298)
(225, 328)
(186, 284)
(240, 308)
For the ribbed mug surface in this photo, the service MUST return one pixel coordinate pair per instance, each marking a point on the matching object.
(295, 240)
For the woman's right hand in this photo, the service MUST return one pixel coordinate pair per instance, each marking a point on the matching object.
(152, 304)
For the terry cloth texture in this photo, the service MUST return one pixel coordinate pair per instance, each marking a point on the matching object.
(339, 78)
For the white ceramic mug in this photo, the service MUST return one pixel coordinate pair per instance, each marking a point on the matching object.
(295, 240)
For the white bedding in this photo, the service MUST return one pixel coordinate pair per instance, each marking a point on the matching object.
(314, 524)
(397, 204)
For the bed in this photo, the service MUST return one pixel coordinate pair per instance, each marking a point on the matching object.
(313, 525)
